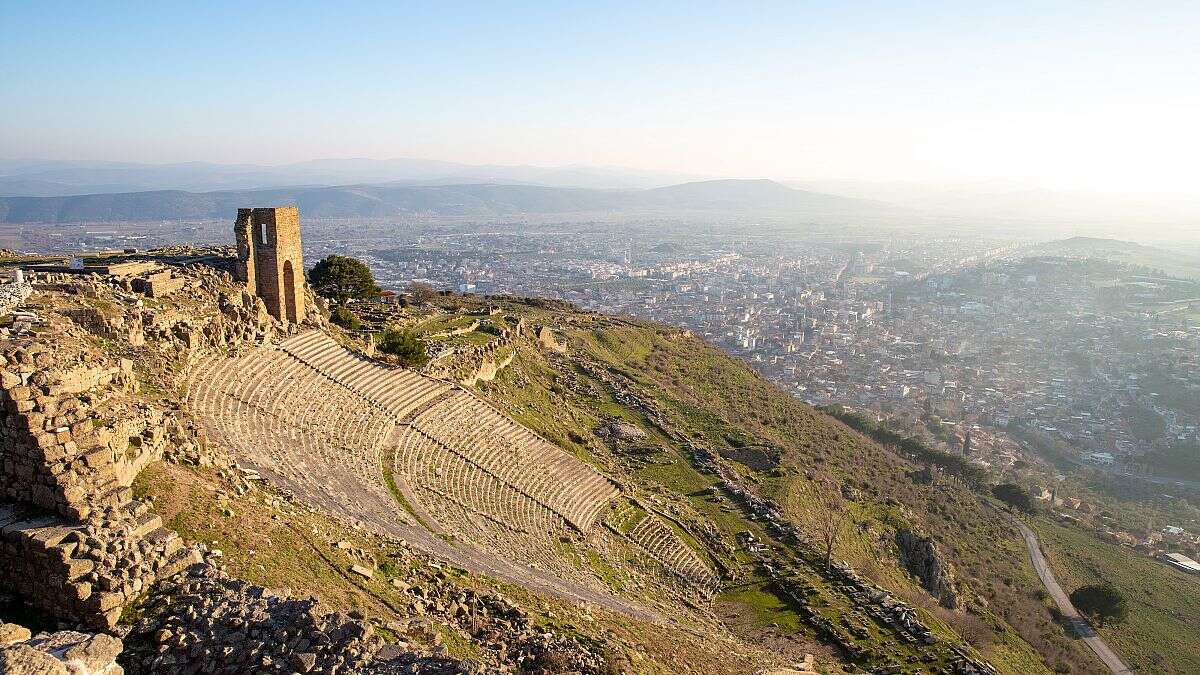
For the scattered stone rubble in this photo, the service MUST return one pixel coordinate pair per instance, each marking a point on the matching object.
(204, 621)
(208, 622)
(502, 629)
(620, 430)
(61, 653)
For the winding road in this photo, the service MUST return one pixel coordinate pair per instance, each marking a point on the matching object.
(1080, 625)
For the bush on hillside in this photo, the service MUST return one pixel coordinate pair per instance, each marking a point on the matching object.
(404, 345)
(1102, 603)
(342, 316)
(1015, 496)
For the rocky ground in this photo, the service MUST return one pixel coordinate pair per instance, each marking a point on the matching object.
(60, 653)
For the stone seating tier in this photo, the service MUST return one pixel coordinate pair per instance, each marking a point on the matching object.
(664, 545)
(460, 420)
(318, 418)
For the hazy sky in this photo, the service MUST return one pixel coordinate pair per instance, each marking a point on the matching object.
(1096, 95)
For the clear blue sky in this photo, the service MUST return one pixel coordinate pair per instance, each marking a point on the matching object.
(1102, 95)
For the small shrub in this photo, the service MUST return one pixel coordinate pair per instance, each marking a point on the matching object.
(342, 316)
(405, 346)
(1102, 603)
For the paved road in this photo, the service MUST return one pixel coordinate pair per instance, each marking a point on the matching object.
(1080, 625)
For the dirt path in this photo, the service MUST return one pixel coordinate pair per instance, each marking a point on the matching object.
(1080, 625)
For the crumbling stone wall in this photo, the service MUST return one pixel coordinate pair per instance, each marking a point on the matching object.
(12, 295)
(126, 328)
(270, 259)
(52, 454)
(72, 438)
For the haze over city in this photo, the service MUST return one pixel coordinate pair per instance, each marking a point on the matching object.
(771, 338)
(1093, 96)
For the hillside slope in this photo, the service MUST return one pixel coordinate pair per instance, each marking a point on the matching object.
(639, 495)
(682, 394)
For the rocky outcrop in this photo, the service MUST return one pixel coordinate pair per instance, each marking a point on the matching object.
(61, 653)
(547, 339)
(920, 556)
(757, 457)
(488, 369)
(620, 430)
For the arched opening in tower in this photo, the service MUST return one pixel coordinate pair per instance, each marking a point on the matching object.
(289, 291)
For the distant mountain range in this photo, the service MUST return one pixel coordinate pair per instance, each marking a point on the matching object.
(66, 191)
(482, 200)
(1011, 201)
(52, 178)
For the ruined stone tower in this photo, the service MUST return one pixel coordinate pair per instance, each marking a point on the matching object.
(270, 260)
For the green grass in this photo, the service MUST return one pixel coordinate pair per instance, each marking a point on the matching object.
(630, 517)
(769, 608)
(390, 478)
(678, 476)
(1162, 631)
(720, 402)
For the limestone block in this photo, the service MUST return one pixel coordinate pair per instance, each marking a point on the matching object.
(22, 659)
(11, 632)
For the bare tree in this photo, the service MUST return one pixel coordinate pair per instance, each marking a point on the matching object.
(832, 515)
(421, 292)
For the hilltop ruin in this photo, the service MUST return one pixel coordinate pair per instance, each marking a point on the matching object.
(113, 363)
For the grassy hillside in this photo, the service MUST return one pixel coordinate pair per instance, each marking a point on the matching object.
(1160, 635)
(715, 401)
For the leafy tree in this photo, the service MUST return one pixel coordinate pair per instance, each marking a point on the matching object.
(342, 316)
(955, 465)
(341, 278)
(421, 292)
(1102, 603)
(1015, 496)
(404, 345)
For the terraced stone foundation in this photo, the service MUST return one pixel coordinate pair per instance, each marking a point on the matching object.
(72, 541)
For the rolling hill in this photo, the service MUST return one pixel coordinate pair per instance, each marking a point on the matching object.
(1182, 264)
(50, 178)
(481, 200)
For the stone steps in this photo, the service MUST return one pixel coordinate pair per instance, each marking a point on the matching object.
(54, 564)
(661, 542)
(316, 419)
